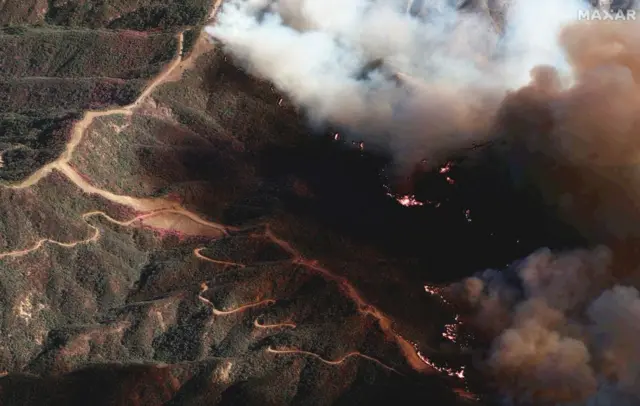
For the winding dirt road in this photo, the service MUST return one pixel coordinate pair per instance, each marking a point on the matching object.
(386, 324)
(204, 287)
(162, 213)
(409, 351)
(336, 362)
(198, 253)
(81, 127)
(257, 324)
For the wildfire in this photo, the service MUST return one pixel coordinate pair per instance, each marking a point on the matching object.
(408, 200)
(359, 144)
(405, 200)
(467, 215)
(448, 371)
(437, 292)
(446, 168)
(450, 333)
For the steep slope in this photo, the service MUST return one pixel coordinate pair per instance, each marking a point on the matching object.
(190, 242)
(115, 278)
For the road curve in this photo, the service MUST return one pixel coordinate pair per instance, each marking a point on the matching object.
(334, 362)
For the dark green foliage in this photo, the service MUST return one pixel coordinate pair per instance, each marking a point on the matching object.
(141, 15)
(15, 30)
(63, 95)
(162, 17)
(30, 142)
(77, 13)
(84, 53)
(190, 38)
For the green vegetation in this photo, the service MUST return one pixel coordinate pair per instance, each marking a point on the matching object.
(29, 142)
(22, 11)
(15, 30)
(163, 17)
(84, 53)
(59, 95)
(136, 15)
(190, 37)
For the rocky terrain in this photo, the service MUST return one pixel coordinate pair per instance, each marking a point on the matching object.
(173, 233)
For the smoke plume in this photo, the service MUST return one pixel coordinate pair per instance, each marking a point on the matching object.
(581, 145)
(422, 78)
(342, 62)
(421, 82)
(564, 333)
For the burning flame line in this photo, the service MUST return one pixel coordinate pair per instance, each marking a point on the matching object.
(409, 200)
(450, 333)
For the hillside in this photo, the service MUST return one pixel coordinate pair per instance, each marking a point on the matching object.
(172, 232)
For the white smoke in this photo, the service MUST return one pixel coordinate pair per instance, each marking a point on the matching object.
(564, 334)
(458, 65)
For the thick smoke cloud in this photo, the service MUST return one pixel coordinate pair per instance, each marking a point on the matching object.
(564, 333)
(581, 145)
(455, 65)
(564, 94)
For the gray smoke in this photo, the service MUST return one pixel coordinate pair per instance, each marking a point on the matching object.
(565, 333)
(565, 93)
(581, 145)
(456, 65)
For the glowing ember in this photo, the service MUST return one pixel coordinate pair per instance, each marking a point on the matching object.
(467, 215)
(451, 332)
(361, 145)
(451, 181)
(437, 292)
(405, 200)
(446, 168)
(408, 201)
(448, 371)
(336, 136)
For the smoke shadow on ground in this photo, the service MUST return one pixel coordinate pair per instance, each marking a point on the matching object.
(477, 218)
(261, 159)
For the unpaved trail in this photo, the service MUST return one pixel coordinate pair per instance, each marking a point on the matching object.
(257, 324)
(204, 287)
(160, 213)
(386, 324)
(145, 219)
(198, 253)
(336, 362)
(201, 45)
(80, 128)
(170, 215)
(164, 214)
(409, 350)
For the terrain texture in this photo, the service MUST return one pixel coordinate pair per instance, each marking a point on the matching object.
(171, 233)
